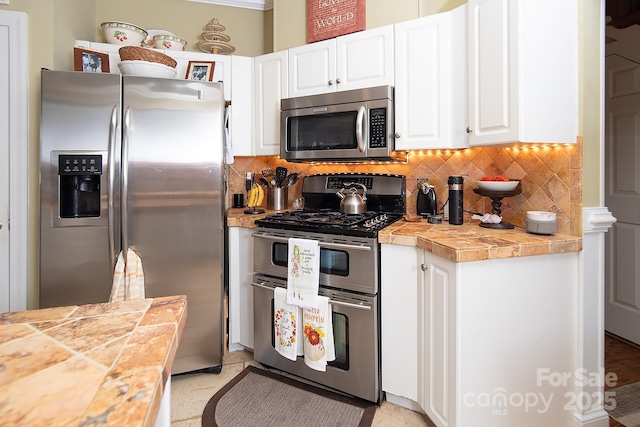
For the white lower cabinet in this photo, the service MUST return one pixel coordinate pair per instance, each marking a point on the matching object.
(240, 254)
(480, 343)
(437, 338)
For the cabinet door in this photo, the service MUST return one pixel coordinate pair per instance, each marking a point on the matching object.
(399, 271)
(240, 247)
(437, 339)
(271, 73)
(242, 106)
(365, 59)
(493, 112)
(523, 71)
(312, 68)
(430, 82)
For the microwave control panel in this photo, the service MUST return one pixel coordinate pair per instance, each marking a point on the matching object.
(378, 128)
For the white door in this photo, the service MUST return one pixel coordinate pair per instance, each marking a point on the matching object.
(13, 161)
(622, 197)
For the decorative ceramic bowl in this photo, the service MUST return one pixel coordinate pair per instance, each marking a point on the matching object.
(123, 33)
(169, 42)
(497, 185)
(146, 69)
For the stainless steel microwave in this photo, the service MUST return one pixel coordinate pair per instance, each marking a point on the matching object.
(350, 126)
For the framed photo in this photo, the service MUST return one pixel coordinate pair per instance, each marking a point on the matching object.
(90, 61)
(200, 70)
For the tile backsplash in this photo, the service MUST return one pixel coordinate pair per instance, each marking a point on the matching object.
(550, 175)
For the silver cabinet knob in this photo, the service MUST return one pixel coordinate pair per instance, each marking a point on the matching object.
(424, 267)
(469, 130)
(0, 226)
(330, 82)
(338, 81)
(397, 135)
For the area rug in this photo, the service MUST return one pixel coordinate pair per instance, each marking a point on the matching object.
(627, 410)
(260, 398)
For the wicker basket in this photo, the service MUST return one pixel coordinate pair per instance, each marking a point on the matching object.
(134, 53)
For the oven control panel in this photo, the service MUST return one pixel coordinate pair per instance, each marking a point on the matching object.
(338, 182)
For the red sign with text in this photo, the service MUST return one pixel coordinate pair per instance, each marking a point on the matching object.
(331, 18)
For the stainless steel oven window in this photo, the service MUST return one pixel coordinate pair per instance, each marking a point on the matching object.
(340, 338)
(332, 261)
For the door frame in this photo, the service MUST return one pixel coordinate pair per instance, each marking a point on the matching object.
(16, 24)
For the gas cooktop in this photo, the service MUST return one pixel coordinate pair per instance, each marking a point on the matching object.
(331, 222)
(385, 205)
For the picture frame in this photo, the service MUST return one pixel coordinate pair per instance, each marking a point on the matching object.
(200, 70)
(90, 61)
(329, 19)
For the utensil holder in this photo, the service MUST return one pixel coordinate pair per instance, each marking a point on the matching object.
(277, 198)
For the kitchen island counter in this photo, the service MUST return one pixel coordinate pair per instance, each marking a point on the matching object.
(458, 243)
(100, 364)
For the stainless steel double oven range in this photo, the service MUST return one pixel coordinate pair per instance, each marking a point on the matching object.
(349, 276)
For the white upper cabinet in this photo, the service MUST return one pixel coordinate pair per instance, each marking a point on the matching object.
(271, 85)
(358, 60)
(523, 71)
(430, 81)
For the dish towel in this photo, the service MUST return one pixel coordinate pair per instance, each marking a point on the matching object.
(285, 325)
(303, 276)
(319, 347)
(128, 278)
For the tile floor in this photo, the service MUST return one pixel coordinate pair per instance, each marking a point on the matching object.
(190, 394)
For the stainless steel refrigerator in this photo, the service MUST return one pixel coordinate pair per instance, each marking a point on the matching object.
(135, 162)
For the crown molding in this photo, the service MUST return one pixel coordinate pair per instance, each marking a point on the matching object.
(246, 4)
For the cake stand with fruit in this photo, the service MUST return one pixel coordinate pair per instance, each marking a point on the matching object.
(496, 189)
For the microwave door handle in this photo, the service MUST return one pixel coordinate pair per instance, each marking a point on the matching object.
(360, 129)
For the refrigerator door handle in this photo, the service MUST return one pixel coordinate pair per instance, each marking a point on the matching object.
(111, 161)
(124, 192)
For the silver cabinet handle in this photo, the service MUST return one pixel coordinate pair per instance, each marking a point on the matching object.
(0, 226)
(469, 129)
(331, 301)
(338, 81)
(397, 135)
(424, 267)
(330, 82)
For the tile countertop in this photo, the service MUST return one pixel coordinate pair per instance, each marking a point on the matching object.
(470, 242)
(90, 365)
(458, 243)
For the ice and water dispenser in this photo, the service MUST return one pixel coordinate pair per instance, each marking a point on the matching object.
(79, 180)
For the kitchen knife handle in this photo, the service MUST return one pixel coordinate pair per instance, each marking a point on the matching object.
(111, 161)
(124, 193)
(359, 129)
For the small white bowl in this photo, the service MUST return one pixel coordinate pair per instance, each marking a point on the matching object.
(123, 33)
(541, 216)
(146, 69)
(169, 42)
(497, 185)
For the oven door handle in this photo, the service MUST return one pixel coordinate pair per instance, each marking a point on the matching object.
(331, 301)
(322, 244)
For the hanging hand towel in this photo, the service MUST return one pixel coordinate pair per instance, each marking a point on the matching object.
(319, 347)
(128, 278)
(304, 272)
(285, 325)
